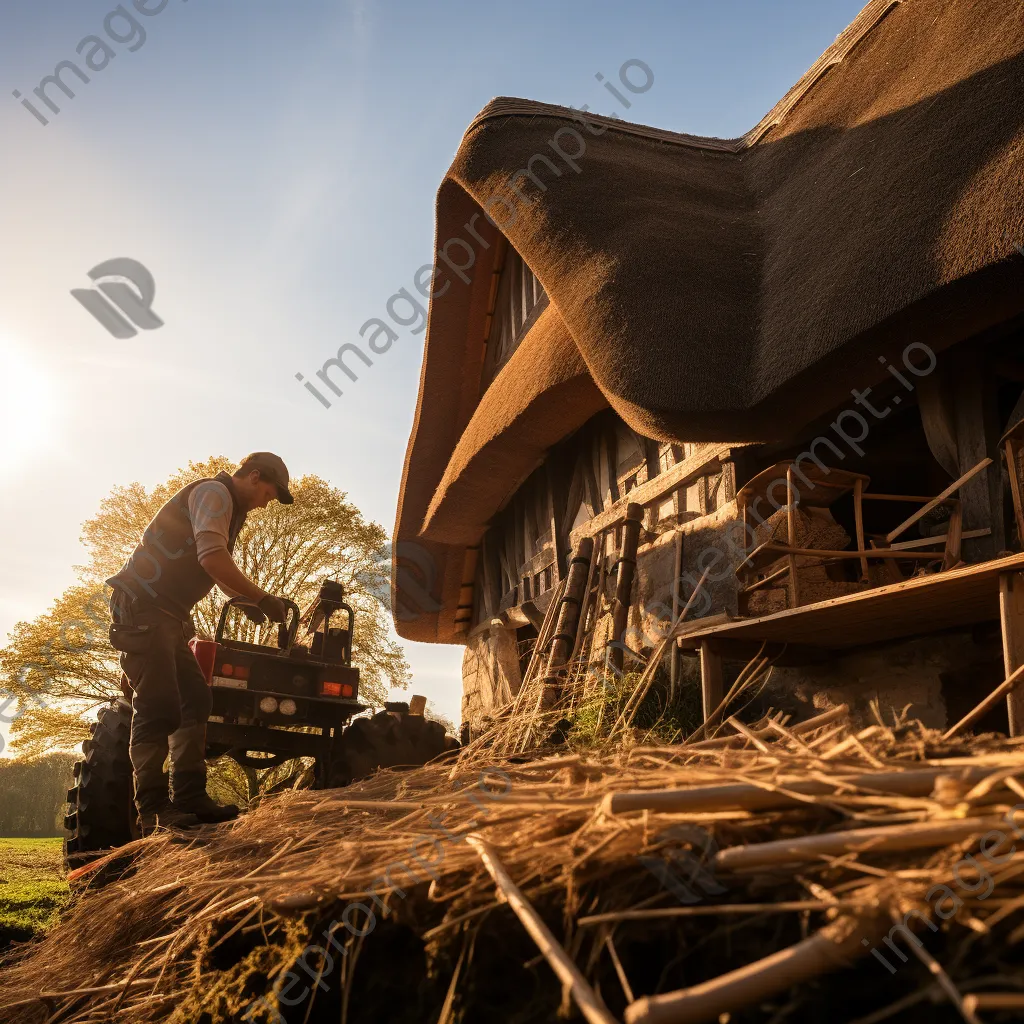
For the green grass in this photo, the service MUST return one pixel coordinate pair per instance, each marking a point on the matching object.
(32, 887)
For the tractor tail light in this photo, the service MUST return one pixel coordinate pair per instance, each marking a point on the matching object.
(335, 690)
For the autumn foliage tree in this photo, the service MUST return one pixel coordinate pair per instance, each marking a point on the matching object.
(59, 665)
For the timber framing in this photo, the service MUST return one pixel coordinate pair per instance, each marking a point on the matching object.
(705, 460)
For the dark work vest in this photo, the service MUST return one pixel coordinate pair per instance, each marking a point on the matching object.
(164, 569)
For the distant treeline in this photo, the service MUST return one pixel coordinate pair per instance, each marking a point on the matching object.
(32, 795)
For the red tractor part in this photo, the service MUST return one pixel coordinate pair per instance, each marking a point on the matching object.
(206, 654)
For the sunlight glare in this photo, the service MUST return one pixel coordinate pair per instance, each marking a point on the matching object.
(27, 405)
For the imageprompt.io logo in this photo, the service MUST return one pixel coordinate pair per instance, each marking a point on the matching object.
(129, 287)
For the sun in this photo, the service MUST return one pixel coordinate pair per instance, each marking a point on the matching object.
(27, 406)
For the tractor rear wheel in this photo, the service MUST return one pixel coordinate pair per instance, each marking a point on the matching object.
(387, 741)
(101, 812)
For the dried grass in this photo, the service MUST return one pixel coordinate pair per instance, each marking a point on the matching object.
(197, 928)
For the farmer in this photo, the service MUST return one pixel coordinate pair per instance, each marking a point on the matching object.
(183, 552)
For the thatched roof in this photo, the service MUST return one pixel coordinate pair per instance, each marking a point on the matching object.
(721, 290)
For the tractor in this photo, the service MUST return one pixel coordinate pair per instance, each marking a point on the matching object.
(271, 704)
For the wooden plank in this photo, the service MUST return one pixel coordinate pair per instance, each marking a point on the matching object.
(1011, 618)
(924, 604)
(663, 484)
(711, 684)
(938, 499)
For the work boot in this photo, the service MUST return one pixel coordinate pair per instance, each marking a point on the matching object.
(189, 796)
(188, 776)
(157, 811)
(151, 797)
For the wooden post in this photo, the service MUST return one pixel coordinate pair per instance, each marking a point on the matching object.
(624, 580)
(794, 586)
(954, 534)
(673, 657)
(1013, 468)
(1011, 616)
(858, 516)
(711, 685)
(564, 639)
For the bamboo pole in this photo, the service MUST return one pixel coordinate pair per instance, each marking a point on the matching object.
(748, 797)
(1004, 688)
(712, 910)
(832, 947)
(567, 972)
(994, 1001)
(885, 838)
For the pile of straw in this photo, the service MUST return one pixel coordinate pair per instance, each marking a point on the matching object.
(756, 874)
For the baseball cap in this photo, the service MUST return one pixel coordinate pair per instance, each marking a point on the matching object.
(271, 468)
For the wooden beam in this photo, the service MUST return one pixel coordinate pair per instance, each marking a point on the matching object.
(711, 684)
(1011, 618)
(559, 501)
(659, 487)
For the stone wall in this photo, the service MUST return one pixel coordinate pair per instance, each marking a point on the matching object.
(490, 673)
(941, 676)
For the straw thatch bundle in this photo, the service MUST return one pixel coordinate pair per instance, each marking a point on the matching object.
(647, 883)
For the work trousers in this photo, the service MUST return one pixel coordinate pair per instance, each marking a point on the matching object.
(171, 699)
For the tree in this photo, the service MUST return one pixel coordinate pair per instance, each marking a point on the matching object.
(32, 795)
(59, 666)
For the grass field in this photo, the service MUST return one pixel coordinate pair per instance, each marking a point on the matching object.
(32, 887)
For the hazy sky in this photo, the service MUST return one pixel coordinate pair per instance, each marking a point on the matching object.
(274, 164)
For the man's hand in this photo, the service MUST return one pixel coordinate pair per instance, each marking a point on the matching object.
(253, 614)
(274, 607)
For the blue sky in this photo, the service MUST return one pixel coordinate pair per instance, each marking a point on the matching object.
(274, 165)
